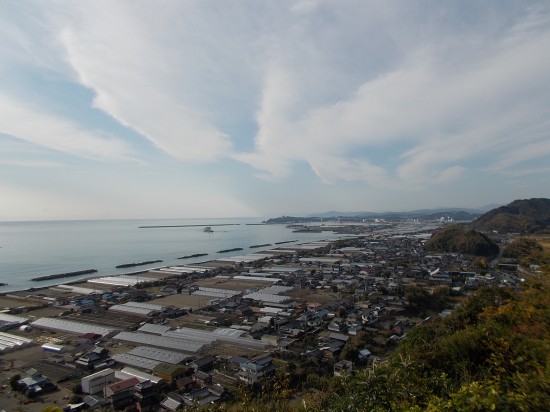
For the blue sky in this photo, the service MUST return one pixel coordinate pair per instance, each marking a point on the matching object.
(141, 109)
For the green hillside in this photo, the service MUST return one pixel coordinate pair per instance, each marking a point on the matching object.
(456, 239)
(520, 216)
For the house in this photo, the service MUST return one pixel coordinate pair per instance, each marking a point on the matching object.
(35, 383)
(205, 364)
(185, 384)
(173, 402)
(170, 372)
(95, 382)
(256, 369)
(343, 367)
(94, 359)
(364, 355)
(202, 396)
(202, 379)
(121, 394)
(144, 393)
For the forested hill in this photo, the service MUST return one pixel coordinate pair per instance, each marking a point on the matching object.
(456, 239)
(520, 216)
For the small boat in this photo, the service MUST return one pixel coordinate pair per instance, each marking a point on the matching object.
(208, 229)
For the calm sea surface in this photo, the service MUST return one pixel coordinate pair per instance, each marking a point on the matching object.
(31, 249)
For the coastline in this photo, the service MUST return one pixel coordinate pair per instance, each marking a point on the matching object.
(64, 247)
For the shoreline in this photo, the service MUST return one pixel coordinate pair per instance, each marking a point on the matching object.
(143, 271)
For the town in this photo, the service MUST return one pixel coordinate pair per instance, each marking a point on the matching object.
(191, 335)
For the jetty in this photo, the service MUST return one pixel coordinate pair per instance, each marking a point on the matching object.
(131, 265)
(195, 255)
(164, 226)
(230, 250)
(64, 275)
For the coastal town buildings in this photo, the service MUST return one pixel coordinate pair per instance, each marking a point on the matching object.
(192, 335)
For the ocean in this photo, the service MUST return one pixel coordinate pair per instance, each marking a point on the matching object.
(31, 249)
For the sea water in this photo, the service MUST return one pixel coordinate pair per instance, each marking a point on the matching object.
(32, 249)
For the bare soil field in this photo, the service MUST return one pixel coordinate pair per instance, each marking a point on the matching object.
(183, 301)
(234, 284)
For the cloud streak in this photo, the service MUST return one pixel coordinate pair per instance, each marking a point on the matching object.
(383, 95)
(47, 130)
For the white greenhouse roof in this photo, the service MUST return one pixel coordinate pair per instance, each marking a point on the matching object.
(122, 280)
(70, 326)
(11, 342)
(200, 335)
(275, 289)
(77, 289)
(150, 306)
(215, 292)
(256, 278)
(155, 329)
(132, 310)
(160, 355)
(166, 342)
(4, 317)
(137, 361)
(266, 297)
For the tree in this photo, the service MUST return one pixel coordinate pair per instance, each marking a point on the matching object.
(14, 382)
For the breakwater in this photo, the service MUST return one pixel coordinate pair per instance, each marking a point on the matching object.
(195, 255)
(131, 265)
(230, 250)
(64, 275)
(163, 226)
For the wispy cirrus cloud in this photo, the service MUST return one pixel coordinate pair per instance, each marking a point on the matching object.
(26, 122)
(390, 95)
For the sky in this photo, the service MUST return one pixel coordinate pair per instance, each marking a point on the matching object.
(187, 109)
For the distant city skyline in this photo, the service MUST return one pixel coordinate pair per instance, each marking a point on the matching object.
(188, 109)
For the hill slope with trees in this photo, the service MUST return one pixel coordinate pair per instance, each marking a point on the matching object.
(520, 216)
(456, 239)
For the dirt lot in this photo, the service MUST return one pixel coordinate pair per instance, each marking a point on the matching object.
(234, 284)
(183, 301)
(8, 302)
(16, 363)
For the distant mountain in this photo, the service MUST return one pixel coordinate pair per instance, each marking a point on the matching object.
(452, 213)
(520, 216)
(428, 214)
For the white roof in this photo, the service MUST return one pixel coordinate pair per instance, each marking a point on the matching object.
(229, 332)
(77, 289)
(275, 289)
(266, 297)
(215, 292)
(126, 373)
(9, 341)
(10, 318)
(100, 374)
(132, 310)
(257, 278)
(155, 329)
(160, 355)
(137, 361)
(166, 342)
(150, 306)
(70, 326)
(121, 280)
(205, 336)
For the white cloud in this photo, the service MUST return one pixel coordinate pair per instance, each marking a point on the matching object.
(147, 70)
(25, 122)
(476, 106)
(35, 164)
(329, 85)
